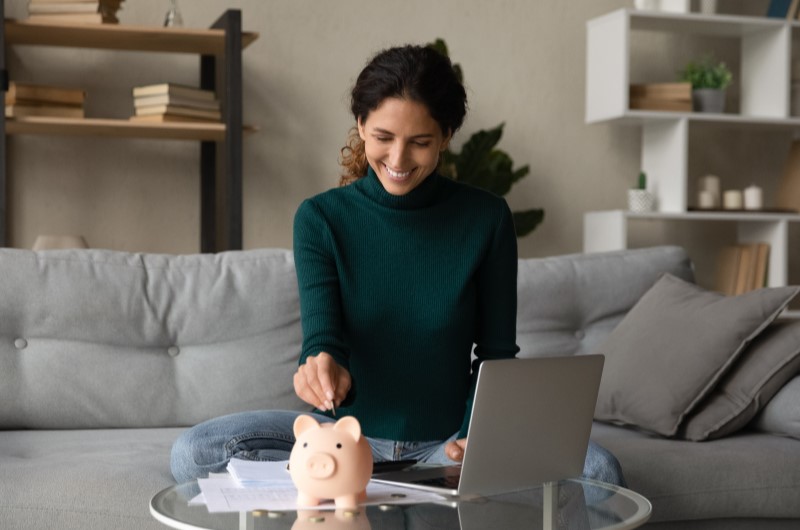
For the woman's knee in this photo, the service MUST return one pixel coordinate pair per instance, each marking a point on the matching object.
(603, 466)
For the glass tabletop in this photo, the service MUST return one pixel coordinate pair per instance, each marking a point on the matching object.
(570, 504)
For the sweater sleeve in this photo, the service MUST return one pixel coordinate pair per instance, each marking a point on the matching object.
(318, 282)
(496, 334)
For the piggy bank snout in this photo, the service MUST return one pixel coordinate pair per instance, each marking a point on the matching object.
(320, 465)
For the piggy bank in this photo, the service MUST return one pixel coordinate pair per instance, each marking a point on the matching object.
(330, 461)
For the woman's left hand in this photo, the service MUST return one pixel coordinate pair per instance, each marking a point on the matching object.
(455, 450)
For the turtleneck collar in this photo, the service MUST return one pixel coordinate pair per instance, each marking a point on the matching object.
(420, 197)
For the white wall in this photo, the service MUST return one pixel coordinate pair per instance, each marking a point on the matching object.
(523, 62)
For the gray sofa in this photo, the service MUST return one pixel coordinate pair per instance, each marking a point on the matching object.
(106, 356)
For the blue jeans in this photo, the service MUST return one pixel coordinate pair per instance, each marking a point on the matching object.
(267, 435)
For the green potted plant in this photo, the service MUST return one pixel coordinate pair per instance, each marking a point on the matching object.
(481, 164)
(709, 80)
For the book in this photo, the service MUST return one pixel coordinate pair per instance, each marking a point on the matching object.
(30, 93)
(179, 111)
(762, 262)
(778, 8)
(171, 99)
(676, 105)
(662, 90)
(167, 118)
(74, 18)
(79, 7)
(175, 90)
(746, 274)
(58, 111)
(31, 2)
(792, 12)
(727, 270)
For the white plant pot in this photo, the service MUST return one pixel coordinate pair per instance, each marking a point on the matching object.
(641, 201)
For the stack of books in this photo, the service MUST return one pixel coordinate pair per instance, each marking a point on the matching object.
(39, 100)
(74, 11)
(742, 268)
(170, 102)
(661, 96)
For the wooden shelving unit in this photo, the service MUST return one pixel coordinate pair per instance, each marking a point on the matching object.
(220, 49)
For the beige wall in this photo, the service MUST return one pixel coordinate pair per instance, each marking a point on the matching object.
(523, 62)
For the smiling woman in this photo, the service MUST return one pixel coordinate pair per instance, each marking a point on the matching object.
(407, 283)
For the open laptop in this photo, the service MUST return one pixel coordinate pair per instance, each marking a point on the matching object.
(530, 424)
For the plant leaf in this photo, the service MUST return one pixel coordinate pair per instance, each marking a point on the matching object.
(526, 221)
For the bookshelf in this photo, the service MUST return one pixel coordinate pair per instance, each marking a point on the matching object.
(220, 50)
(765, 53)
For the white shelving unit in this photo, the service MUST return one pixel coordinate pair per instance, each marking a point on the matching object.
(765, 101)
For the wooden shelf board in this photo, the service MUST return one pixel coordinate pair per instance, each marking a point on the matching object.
(120, 37)
(116, 128)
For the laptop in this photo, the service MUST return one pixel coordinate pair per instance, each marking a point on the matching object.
(530, 424)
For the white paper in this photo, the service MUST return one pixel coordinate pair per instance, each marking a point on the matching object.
(227, 495)
(250, 473)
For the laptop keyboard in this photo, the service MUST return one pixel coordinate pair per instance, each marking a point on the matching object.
(449, 482)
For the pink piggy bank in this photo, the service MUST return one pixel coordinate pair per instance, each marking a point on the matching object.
(330, 461)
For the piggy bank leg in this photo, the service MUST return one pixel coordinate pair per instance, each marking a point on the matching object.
(349, 501)
(306, 500)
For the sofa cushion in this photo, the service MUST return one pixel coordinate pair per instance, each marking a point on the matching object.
(763, 368)
(749, 475)
(673, 346)
(83, 479)
(102, 339)
(567, 305)
(782, 414)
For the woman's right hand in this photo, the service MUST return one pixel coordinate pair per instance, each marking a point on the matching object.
(322, 382)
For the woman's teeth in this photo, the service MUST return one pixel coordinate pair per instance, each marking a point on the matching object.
(396, 174)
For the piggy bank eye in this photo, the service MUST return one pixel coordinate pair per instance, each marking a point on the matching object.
(305, 445)
(338, 446)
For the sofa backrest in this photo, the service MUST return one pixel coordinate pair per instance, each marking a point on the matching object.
(112, 339)
(567, 305)
(105, 339)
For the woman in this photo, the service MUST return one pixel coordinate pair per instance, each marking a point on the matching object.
(400, 273)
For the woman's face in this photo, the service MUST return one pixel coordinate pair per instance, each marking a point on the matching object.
(402, 143)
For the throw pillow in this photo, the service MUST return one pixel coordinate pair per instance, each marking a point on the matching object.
(673, 346)
(782, 414)
(760, 372)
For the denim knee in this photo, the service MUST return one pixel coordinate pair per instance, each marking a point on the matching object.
(603, 466)
(255, 435)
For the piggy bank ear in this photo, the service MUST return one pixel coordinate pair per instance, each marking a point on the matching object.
(303, 423)
(349, 425)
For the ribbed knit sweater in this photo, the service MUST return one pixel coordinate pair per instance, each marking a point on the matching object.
(398, 289)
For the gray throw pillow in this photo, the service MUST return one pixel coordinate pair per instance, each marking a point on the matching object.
(673, 346)
(760, 372)
(782, 414)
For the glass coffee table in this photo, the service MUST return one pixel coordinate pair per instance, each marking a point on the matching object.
(570, 504)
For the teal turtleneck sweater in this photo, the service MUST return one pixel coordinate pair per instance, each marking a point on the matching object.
(398, 289)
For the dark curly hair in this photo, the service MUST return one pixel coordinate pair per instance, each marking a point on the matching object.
(416, 73)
